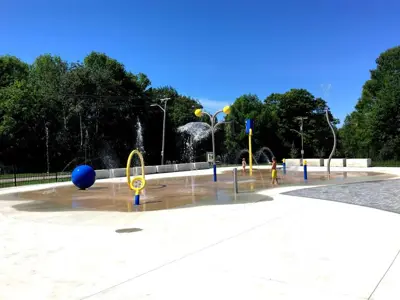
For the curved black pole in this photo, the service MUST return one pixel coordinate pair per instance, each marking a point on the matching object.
(334, 141)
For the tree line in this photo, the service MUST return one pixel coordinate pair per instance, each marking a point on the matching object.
(373, 128)
(55, 114)
(65, 113)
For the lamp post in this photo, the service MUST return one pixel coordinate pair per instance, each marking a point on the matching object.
(198, 113)
(46, 125)
(334, 140)
(164, 109)
(301, 119)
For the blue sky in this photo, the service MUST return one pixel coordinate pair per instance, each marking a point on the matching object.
(216, 50)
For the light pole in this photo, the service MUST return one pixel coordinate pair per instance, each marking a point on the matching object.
(334, 140)
(198, 113)
(301, 119)
(46, 125)
(163, 100)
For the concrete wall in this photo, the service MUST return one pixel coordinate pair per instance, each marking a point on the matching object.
(165, 168)
(100, 174)
(121, 172)
(118, 172)
(336, 162)
(183, 167)
(359, 162)
(296, 162)
(201, 165)
(315, 162)
(293, 162)
(149, 170)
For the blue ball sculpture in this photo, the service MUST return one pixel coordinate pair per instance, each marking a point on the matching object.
(83, 177)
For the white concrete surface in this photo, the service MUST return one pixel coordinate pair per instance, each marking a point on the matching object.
(292, 162)
(201, 165)
(389, 287)
(394, 171)
(102, 173)
(183, 167)
(336, 162)
(288, 248)
(165, 168)
(120, 172)
(147, 170)
(358, 162)
(315, 162)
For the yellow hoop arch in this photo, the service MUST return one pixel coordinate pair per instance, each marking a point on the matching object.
(141, 178)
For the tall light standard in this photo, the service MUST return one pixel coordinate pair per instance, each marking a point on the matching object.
(198, 113)
(334, 140)
(163, 100)
(301, 133)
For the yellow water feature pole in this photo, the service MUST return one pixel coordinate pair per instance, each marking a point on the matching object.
(138, 182)
(250, 152)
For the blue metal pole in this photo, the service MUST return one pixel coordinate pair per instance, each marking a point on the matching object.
(284, 166)
(213, 146)
(305, 169)
(137, 199)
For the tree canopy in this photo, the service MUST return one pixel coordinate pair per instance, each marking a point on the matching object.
(277, 125)
(88, 109)
(91, 110)
(372, 129)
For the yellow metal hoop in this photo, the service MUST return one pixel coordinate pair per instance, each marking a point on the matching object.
(141, 178)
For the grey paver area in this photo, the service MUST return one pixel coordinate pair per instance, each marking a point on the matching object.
(383, 195)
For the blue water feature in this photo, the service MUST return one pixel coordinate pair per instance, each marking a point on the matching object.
(83, 177)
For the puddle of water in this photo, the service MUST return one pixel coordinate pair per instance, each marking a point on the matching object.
(169, 192)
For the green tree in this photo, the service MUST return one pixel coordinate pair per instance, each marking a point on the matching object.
(180, 110)
(247, 106)
(284, 110)
(12, 69)
(373, 128)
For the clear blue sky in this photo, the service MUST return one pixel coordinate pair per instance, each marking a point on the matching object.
(216, 50)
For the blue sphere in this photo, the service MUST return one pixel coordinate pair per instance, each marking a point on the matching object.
(83, 177)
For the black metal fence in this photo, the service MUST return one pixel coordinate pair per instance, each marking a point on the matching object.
(18, 179)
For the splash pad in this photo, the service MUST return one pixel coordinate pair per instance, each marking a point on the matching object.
(187, 189)
(175, 192)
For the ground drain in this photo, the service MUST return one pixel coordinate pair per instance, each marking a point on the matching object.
(128, 230)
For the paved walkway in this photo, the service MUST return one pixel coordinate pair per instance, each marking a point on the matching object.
(382, 194)
(289, 248)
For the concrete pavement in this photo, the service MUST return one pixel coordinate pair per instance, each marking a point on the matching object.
(288, 248)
